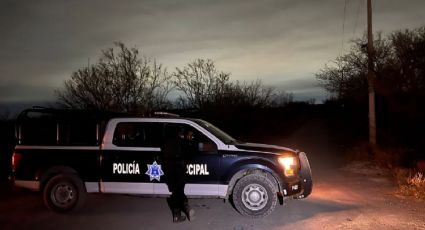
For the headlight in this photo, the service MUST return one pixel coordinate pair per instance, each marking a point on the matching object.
(289, 165)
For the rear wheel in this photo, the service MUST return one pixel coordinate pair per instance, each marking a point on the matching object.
(254, 195)
(64, 193)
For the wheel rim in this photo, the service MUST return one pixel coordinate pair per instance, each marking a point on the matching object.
(254, 197)
(63, 195)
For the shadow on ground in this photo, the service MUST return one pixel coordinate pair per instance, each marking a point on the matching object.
(25, 209)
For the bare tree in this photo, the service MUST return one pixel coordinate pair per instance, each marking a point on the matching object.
(256, 94)
(200, 82)
(399, 67)
(346, 76)
(119, 81)
(253, 94)
(203, 85)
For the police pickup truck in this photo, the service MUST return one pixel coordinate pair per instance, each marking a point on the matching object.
(69, 153)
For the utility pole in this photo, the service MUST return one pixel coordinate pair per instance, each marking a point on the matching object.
(371, 77)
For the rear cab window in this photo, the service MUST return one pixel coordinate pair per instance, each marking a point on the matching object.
(138, 134)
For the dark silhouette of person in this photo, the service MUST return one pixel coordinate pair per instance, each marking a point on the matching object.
(175, 171)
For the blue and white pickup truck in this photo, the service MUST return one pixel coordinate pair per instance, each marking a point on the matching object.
(69, 153)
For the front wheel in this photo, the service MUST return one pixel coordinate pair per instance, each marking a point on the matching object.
(254, 195)
(64, 193)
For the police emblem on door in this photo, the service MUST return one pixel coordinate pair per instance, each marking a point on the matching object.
(154, 171)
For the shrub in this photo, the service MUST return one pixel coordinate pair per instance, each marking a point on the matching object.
(387, 158)
(411, 184)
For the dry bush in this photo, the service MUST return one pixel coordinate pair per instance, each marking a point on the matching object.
(359, 152)
(400, 175)
(384, 158)
(411, 184)
(388, 158)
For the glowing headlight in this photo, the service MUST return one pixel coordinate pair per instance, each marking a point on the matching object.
(288, 164)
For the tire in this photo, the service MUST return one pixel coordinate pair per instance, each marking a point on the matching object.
(254, 195)
(64, 193)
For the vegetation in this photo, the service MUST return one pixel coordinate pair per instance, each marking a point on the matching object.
(122, 81)
(119, 81)
(393, 162)
(411, 183)
(204, 86)
(399, 68)
(399, 85)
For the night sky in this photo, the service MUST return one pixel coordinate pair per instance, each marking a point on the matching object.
(281, 42)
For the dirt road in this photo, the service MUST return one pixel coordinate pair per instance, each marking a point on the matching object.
(341, 199)
(349, 197)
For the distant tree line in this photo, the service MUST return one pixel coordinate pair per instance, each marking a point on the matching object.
(122, 80)
(399, 84)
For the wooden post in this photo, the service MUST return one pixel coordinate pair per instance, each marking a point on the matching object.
(371, 77)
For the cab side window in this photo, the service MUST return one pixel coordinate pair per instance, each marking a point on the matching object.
(137, 134)
(197, 142)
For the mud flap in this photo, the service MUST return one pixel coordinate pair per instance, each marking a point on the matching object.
(306, 179)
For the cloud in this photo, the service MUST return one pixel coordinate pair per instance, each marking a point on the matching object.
(22, 92)
(43, 42)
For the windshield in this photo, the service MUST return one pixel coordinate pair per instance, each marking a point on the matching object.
(224, 137)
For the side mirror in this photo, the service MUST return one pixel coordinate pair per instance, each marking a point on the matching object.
(207, 147)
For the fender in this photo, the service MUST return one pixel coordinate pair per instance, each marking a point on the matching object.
(45, 175)
(243, 167)
(250, 163)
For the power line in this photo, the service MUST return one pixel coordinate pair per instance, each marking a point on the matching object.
(343, 27)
